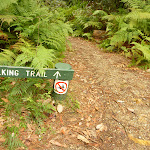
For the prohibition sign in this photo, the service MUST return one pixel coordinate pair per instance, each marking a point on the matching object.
(61, 86)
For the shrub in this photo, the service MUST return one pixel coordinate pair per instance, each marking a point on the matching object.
(31, 35)
(130, 27)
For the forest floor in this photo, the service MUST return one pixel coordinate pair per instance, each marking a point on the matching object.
(114, 101)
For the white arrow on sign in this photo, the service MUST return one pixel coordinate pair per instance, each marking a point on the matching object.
(57, 74)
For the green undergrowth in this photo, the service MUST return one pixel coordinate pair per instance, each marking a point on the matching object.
(23, 101)
(126, 23)
(28, 102)
(32, 34)
(12, 140)
(71, 102)
(128, 32)
(82, 18)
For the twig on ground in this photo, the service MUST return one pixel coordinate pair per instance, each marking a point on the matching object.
(120, 124)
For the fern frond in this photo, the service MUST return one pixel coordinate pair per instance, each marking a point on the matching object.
(7, 18)
(37, 57)
(97, 25)
(40, 25)
(119, 38)
(27, 52)
(78, 32)
(138, 15)
(6, 3)
(88, 35)
(99, 12)
(147, 8)
(65, 29)
(21, 87)
(147, 38)
(23, 58)
(55, 43)
(25, 46)
(110, 17)
(7, 57)
(43, 59)
(135, 3)
(124, 35)
(145, 49)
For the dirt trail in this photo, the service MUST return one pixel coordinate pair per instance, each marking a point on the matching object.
(114, 105)
(113, 98)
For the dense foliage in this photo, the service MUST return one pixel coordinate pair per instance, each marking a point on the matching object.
(30, 20)
(34, 33)
(31, 34)
(129, 31)
(126, 22)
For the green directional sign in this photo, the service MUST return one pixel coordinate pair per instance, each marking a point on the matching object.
(27, 72)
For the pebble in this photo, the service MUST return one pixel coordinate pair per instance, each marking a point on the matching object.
(101, 127)
(96, 108)
(59, 108)
(87, 124)
(53, 119)
(88, 119)
(119, 101)
(131, 109)
(82, 138)
(80, 123)
(148, 70)
(73, 119)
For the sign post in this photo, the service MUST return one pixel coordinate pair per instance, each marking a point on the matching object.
(61, 86)
(61, 75)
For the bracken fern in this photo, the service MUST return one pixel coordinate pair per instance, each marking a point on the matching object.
(39, 35)
(130, 28)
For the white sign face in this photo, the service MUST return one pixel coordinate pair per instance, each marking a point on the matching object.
(60, 87)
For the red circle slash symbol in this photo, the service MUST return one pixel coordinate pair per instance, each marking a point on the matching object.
(61, 87)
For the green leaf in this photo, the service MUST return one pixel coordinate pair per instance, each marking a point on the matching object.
(145, 49)
(100, 12)
(6, 3)
(7, 57)
(7, 18)
(43, 59)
